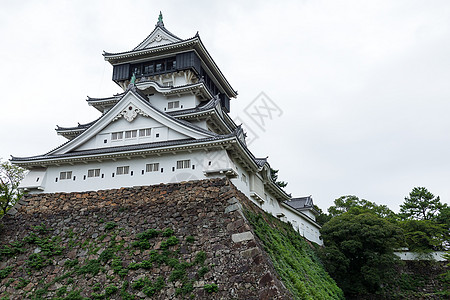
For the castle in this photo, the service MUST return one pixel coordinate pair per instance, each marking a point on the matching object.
(170, 124)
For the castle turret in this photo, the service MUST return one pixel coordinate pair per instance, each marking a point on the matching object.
(170, 61)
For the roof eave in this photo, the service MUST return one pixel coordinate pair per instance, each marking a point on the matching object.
(300, 213)
(114, 155)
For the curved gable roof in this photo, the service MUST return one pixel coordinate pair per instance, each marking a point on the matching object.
(132, 95)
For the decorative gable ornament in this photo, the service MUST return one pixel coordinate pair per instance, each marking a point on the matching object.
(158, 38)
(130, 113)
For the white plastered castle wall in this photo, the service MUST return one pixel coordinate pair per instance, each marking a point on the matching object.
(108, 178)
(161, 102)
(158, 133)
(301, 222)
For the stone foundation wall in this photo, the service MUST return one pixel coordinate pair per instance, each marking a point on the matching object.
(100, 244)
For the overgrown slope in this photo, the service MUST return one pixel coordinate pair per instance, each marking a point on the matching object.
(294, 259)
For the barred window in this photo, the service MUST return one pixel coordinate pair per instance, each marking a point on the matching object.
(152, 167)
(130, 134)
(173, 104)
(145, 132)
(94, 173)
(117, 136)
(123, 170)
(183, 164)
(65, 175)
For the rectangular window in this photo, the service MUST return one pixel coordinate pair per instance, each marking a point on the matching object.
(123, 170)
(244, 178)
(152, 167)
(183, 164)
(130, 134)
(173, 104)
(168, 83)
(145, 132)
(149, 69)
(94, 173)
(117, 136)
(65, 175)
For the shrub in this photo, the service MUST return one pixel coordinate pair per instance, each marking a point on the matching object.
(202, 271)
(5, 272)
(211, 288)
(61, 291)
(109, 290)
(71, 263)
(106, 255)
(92, 267)
(148, 234)
(172, 241)
(152, 289)
(146, 264)
(110, 225)
(200, 258)
(22, 283)
(134, 266)
(167, 232)
(37, 261)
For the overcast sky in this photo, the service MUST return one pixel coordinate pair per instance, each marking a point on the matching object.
(361, 88)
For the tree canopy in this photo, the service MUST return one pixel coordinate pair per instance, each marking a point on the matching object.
(274, 175)
(348, 203)
(420, 205)
(425, 221)
(359, 250)
(10, 177)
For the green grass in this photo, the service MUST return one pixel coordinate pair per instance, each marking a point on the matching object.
(294, 260)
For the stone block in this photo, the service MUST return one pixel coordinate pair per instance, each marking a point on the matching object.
(233, 207)
(241, 237)
(250, 252)
(233, 200)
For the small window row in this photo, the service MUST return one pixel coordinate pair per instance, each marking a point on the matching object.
(124, 170)
(129, 134)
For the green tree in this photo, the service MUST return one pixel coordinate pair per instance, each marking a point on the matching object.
(352, 203)
(424, 235)
(322, 217)
(274, 176)
(425, 220)
(420, 205)
(10, 177)
(445, 277)
(358, 251)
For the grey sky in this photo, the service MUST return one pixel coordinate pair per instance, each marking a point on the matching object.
(363, 85)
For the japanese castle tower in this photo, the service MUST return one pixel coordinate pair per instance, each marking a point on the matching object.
(170, 124)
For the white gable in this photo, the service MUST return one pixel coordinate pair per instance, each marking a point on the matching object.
(157, 38)
(129, 122)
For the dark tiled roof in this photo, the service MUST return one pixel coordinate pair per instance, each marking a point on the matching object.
(261, 161)
(126, 148)
(145, 100)
(78, 127)
(117, 96)
(206, 105)
(154, 47)
(161, 26)
(300, 203)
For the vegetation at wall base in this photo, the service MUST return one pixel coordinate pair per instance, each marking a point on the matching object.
(294, 259)
(360, 238)
(50, 247)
